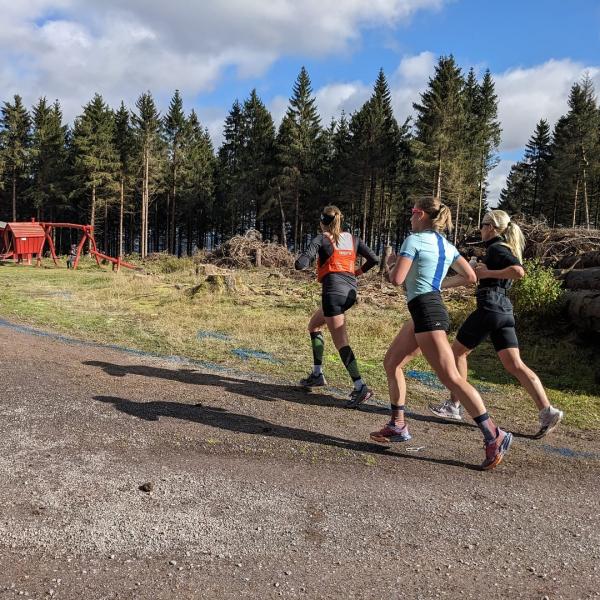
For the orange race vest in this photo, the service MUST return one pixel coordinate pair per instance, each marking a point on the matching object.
(343, 258)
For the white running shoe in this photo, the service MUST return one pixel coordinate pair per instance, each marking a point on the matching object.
(550, 417)
(447, 410)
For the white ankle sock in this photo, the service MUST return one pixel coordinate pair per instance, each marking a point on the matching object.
(358, 384)
(317, 369)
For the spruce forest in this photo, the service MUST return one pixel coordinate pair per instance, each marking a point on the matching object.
(152, 182)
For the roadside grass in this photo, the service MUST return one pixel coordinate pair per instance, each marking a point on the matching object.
(175, 312)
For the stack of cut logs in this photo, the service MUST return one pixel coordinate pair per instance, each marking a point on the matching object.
(575, 254)
(581, 278)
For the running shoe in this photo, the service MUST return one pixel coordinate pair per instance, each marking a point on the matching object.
(357, 397)
(391, 433)
(550, 417)
(447, 410)
(495, 451)
(313, 380)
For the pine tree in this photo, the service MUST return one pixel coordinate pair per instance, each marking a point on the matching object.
(95, 154)
(258, 133)
(147, 132)
(537, 157)
(298, 148)
(198, 175)
(175, 130)
(229, 190)
(15, 138)
(487, 135)
(48, 158)
(440, 142)
(125, 148)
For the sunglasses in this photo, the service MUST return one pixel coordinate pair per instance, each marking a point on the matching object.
(485, 225)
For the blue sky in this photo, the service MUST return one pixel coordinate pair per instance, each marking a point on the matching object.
(215, 52)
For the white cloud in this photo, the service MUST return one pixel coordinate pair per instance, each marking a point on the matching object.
(540, 92)
(497, 181)
(69, 49)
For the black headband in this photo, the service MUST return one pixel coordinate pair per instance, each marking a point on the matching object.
(327, 219)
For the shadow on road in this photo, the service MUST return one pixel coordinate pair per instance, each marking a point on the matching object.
(240, 423)
(270, 392)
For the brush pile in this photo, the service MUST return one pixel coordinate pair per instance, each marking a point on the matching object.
(244, 251)
(560, 248)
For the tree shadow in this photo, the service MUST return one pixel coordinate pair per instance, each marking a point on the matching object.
(240, 423)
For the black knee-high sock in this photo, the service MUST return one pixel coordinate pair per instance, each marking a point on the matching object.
(350, 363)
(318, 347)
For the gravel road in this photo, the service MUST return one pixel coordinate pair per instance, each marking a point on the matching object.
(125, 476)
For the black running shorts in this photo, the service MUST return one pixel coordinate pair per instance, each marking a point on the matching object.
(337, 304)
(481, 323)
(429, 313)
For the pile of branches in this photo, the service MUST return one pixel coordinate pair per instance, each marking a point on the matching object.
(241, 252)
(558, 247)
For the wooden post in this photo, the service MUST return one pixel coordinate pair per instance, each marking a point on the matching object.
(258, 257)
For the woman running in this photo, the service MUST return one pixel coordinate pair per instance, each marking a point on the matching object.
(424, 260)
(494, 318)
(336, 253)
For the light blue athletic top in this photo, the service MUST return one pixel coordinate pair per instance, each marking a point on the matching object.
(432, 254)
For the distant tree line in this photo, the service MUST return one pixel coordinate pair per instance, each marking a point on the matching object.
(559, 177)
(150, 182)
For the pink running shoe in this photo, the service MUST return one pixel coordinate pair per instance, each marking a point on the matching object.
(495, 451)
(391, 433)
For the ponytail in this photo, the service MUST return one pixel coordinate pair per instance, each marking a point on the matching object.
(511, 232)
(440, 215)
(515, 240)
(331, 222)
(443, 220)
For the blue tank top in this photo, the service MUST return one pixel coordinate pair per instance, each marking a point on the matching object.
(432, 254)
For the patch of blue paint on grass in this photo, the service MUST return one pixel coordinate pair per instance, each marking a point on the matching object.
(247, 354)
(430, 380)
(215, 335)
(569, 453)
(75, 342)
(426, 378)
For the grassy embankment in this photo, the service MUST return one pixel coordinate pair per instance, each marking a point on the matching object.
(163, 313)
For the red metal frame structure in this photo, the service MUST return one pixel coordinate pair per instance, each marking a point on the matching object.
(41, 232)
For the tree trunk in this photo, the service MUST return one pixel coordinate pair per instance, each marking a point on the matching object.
(296, 220)
(457, 220)
(105, 233)
(438, 192)
(172, 219)
(480, 195)
(585, 194)
(14, 194)
(283, 236)
(121, 210)
(92, 214)
(575, 200)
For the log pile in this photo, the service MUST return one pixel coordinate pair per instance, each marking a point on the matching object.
(575, 254)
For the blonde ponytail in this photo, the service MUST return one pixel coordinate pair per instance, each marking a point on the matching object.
(511, 232)
(440, 214)
(331, 222)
